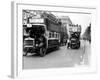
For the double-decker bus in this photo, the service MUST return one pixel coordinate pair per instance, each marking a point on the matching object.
(42, 33)
(74, 36)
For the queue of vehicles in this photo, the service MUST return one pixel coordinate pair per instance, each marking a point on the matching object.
(44, 32)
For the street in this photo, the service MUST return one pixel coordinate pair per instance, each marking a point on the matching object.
(59, 58)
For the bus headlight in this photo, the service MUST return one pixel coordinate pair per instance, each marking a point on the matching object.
(37, 45)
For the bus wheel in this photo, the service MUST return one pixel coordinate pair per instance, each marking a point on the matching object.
(42, 51)
(57, 48)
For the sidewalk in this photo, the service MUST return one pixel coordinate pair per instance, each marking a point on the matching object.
(86, 54)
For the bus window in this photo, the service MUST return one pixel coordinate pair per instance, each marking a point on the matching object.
(53, 34)
(50, 34)
(56, 35)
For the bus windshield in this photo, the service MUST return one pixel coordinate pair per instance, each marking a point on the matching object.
(37, 30)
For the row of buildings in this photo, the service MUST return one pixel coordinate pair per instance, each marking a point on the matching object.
(87, 34)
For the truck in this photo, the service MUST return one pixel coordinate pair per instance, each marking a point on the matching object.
(43, 33)
(74, 36)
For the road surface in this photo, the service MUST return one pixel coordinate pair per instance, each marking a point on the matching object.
(60, 58)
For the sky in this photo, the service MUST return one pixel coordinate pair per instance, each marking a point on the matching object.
(76, 18)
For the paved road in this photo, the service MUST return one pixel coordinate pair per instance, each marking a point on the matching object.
(60, 58)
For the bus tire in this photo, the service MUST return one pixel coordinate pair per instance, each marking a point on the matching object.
(78, 46)
(42, 51)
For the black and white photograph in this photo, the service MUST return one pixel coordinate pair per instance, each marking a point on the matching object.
(52, 40)
(55, 39)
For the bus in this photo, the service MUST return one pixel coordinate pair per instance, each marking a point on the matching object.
(42, 33)
(74, 36)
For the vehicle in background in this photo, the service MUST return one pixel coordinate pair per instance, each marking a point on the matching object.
(63, 38)
(74, 36)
